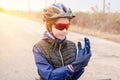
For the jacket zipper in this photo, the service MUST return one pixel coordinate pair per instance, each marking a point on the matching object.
(61, 55)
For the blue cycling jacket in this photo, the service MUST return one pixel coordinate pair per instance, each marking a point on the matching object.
(47, 71)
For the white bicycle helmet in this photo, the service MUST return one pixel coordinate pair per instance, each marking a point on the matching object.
(57, 11)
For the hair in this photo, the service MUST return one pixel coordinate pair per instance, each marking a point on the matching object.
(50, 23)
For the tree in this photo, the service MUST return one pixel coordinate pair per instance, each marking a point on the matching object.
(104, 6)
(29, 10)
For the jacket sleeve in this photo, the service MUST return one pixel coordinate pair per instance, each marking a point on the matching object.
(46, 70)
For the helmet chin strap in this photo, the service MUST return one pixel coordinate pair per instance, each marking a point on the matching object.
(53, 35)
(54, 38)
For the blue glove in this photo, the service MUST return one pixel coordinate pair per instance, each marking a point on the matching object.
(85, 53)
(82, 56)
(77, 75)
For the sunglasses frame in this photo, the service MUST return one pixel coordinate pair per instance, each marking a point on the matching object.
(62, 26)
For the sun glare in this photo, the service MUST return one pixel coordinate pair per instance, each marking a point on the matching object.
(4, 4)
(25, 5)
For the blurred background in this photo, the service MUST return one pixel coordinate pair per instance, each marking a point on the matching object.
(21, 26)
(96, 17)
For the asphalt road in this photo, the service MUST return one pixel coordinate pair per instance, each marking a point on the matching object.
(17, 37)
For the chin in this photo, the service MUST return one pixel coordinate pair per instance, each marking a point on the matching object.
(62, 38)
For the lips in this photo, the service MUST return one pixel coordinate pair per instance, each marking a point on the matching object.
(62, 34)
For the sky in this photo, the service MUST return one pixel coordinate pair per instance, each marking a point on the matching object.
(83, 5)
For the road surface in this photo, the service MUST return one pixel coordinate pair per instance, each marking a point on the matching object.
(17, 37)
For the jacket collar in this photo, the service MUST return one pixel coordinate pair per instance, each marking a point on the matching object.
(49, 36)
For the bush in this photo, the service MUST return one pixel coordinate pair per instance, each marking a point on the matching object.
(104, 22)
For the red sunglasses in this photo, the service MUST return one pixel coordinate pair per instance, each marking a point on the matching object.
(61, 26)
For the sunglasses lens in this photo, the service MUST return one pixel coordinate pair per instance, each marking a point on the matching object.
(62, 26)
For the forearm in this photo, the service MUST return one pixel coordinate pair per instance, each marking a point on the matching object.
(47, 71)
(56, 74)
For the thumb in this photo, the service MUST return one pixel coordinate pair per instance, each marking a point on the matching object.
(79, 49)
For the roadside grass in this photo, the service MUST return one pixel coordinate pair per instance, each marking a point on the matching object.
(35, 16)
(96, 33)
(98, 25)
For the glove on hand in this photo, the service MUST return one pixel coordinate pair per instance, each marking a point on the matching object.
(84, 54)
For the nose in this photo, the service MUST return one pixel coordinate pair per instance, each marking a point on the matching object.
(64, 30)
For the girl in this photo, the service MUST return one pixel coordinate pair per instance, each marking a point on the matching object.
(57, 58)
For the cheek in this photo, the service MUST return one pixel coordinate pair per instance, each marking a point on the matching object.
(55, 32)
(59, 34)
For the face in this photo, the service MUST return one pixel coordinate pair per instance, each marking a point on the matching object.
(60, 28)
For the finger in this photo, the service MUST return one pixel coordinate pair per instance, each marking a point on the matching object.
(79, 46)
(87, 42)
(87, 46)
